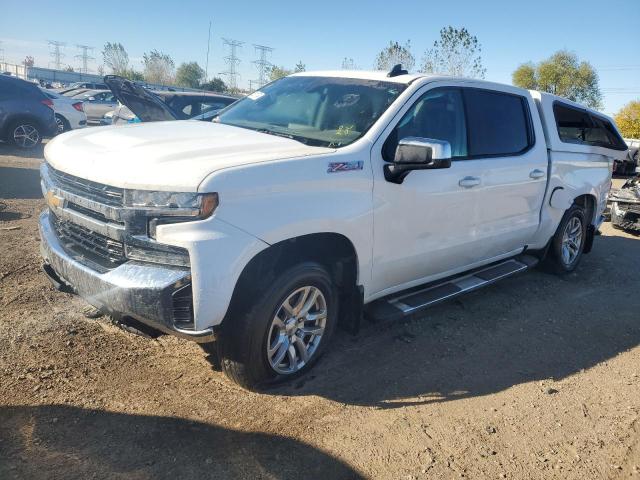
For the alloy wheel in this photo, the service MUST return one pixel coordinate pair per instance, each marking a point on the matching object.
(26, 136)
(296, 330)
(571, 240)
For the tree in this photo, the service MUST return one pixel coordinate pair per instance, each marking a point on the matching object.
(628, 120)
(456, 53)
(189, 75)
(276, 72)
(300, 67)
(158, 67)
(564, 75)
(133, 75)
(28, 61)
(215, 85)
(115, 57)
(393, 54)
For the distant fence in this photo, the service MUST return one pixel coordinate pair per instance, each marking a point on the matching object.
(50, 75)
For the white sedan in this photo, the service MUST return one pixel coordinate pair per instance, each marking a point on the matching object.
(69, 111)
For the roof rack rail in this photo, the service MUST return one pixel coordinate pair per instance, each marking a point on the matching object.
(397, 70)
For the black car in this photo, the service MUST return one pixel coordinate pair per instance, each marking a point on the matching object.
(26, 114)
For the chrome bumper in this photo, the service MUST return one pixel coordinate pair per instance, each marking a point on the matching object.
(142, 291)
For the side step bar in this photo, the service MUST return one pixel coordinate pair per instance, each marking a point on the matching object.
(414, 300)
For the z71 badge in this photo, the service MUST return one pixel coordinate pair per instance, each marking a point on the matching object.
(336, 167)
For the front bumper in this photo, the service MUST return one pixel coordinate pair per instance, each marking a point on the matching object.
(139, 290)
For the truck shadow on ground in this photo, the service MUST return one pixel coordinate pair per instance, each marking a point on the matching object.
(533, 327)
(54, 441)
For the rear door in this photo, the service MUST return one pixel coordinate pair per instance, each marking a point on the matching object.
(506, 143)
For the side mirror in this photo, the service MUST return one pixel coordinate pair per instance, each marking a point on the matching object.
(415, 153)
(91, 99)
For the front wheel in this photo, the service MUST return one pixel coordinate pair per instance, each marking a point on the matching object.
(568, 242)
(282, 329)
(25, 134)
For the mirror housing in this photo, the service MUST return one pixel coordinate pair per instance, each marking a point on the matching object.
(415, 153)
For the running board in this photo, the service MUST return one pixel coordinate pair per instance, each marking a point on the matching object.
(417, 299)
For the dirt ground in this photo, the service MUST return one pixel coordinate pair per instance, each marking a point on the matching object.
(534, 377)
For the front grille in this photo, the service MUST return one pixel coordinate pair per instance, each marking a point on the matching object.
(90, 245)
(183, 307)
(86, 188)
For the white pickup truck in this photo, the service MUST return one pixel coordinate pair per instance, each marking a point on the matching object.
(317, 200)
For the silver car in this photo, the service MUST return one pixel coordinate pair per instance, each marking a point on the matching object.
(97, 103)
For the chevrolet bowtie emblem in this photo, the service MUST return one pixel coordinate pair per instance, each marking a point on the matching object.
(53, 200)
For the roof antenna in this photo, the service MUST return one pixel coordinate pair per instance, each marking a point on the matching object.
(397, 70)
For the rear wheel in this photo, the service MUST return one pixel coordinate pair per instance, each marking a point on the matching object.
(568, 242)
(283, 331)
(63, 125)
(24, 134)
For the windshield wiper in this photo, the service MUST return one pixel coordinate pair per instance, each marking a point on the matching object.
(297, 138)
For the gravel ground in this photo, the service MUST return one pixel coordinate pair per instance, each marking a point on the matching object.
(534, 377)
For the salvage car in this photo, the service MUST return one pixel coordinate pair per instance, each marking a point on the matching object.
(97, 103)
(175, 105)
(320, 199)
(69, 112)
(26, 114)
(625, 205)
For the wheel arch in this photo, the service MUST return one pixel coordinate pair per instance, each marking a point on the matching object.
(332, 250)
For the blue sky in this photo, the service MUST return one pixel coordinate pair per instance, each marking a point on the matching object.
(322, 33)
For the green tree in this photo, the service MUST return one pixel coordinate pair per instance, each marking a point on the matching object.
(564, 75)
(393, 54)
(456, 53)
(189, 75)
(132, 75)
(115, 57)
(628, 120)
(276, 72)
(215, 85)
(300, 67)
(158, 67)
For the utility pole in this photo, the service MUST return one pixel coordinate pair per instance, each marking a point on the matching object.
(56, 53)
(232, 61)
(1, 53)
(262, 64)
(84, 56)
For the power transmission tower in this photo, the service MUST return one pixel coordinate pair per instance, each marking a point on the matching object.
(56, 53)
(232, 61)
(1, 53)
(85, 57)
(262, 64)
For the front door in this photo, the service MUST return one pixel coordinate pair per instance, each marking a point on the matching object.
(424, 226)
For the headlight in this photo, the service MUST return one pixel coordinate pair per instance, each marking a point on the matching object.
(182, 204)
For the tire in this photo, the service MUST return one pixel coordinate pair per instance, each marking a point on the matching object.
(24, 134)
(63, 124)
(254, 337)
(567, 244)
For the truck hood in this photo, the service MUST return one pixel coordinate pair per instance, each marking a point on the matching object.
(169, 156)
(146, 105)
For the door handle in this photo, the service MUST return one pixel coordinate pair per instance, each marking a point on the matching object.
(468, 182)
(537, 173)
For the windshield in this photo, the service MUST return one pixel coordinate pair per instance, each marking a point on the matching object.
(319, 111)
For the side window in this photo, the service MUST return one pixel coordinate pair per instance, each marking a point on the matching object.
(498, 123)
(439, 115)
(573, 124)
(611, 135)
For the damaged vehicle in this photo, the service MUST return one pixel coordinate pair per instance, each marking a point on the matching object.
(625, 205)
(139, 104)
(319, 200)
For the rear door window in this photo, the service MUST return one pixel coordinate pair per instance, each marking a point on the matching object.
(578, 126)
(498, 123)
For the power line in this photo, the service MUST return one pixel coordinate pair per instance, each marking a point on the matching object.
(262, 64)
(84, 56)
(232, 61)
(56, 54)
